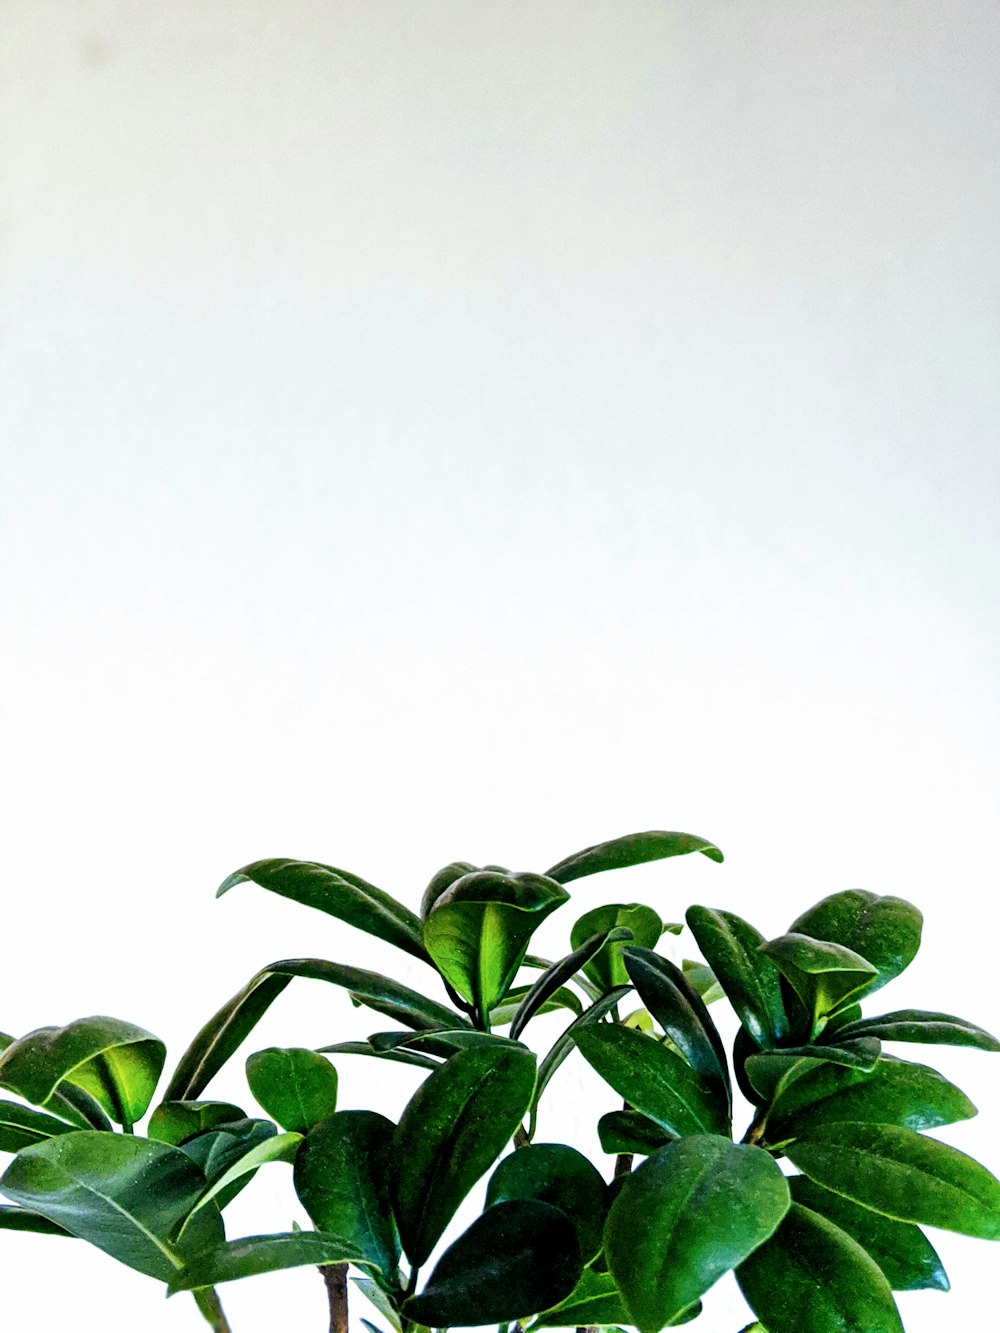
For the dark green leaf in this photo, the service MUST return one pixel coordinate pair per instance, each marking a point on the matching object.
(653, 1079)
(631, 1132)
(920, 1025)
(478, 930)
(23, 1219)
(275, 1148)
(559, 999)
(902, 1251)
(452, 1130)
(894, 1093)
(901, 1173)
(22, 1125)
(225, 1031)
(562, 1046)
(176, 1122)
(824, 975)
(811, 1275)
(595, 1301)
(342, 1175)
(116, 1063)
(296, 1087)
(443, 1044)
(444, 879)
(551, 980)
(630, 850)
(885, 931)
(518, 1257)
(338, 893)
(128, 1196)
(554, 1173)
(766, 1070)
(71, 1103)
(751, 981)
(217, 1150)
(402, 1056)
(617, 922)
(681, 1013)
(688, 1215)
(253, 1255)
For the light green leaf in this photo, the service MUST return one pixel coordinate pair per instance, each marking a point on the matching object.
(593, 1302)
(176, 1122)
(296, 1087)
(630, 850)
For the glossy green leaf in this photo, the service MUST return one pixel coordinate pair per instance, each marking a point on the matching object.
(128, 1196)
(883, 930)
(688, 1215)
(681, 1013)
(895, 1092)
(562, 998)
(631, 1132)
(824, 975)
(23, 1219)
(617, 922)
(296, 1087)
(766, 1069)
(703, 979)
(901, 1173)
(342, 1174)
(811, 1275)
(920, 1025)
(631, 850)
(217, 1150)
(653, 1079)
(478, 930)
(557, 1174)
(902, 1251)
(549, 983)
(595, 1301)
(226, 1030)
(443, 1044)
(116, 1063)
(401, 1056)
(253, 1255)
(69, 1102)
(565, 1043)
(518, 1257)
(339, 894)
(444, 879)
(750, 980)
(176, 1122)
(452, 1130)
(23, 1125)
(275, 1148)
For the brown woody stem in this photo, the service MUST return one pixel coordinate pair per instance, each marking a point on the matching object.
(335, 1277)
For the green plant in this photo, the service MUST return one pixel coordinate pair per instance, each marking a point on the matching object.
(818, 1206)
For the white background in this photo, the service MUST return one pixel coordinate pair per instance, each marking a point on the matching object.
(472, 430)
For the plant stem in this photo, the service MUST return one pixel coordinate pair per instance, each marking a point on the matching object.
(207, 1300)
(623, 1164)
(335, 1277)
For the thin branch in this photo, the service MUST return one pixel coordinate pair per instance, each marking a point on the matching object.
(335, 1277)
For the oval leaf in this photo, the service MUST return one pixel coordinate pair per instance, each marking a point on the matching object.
(342, 1174)
(631, 850)
(750, 980)
(296, 1087)
(811, 1275)
(451, 1132)
(518, 1257)
(554, 1173)
(254, 1255)
(883, 930)
(688, 1215)
(176, 1122)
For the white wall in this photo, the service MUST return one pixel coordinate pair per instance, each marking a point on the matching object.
(442, 430)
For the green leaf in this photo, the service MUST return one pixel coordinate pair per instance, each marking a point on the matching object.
(617, 922)
(217, 1150)
(374, 1293)
(342, 1174)
(631, 1132)
(902, 1251)
(478, 930)
(23, 1219)
(452, 1130)
(894, 1093)
(556, 1174)
(681, 1013)
(563, 1044)
(902, 1174)
(703, 979)
(630, 850)
(811, 1275)
(549, 983)
(402, 1056)
(444, 879)
(885, 931)
(176, 1122)
(226, 1030)
(825, 975)
(766, 1070)
(751, 981)
(296, 1087)
(253, 1255)
(339, 894)
(444, 1044)
(507, 1010)
(22, 1125)
(653, 1079)
(594, 1301)
(275, 1148)
(688, 1215)
(116, 1063)
(518, 1257)
(921, 1026)
(126, 1195)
